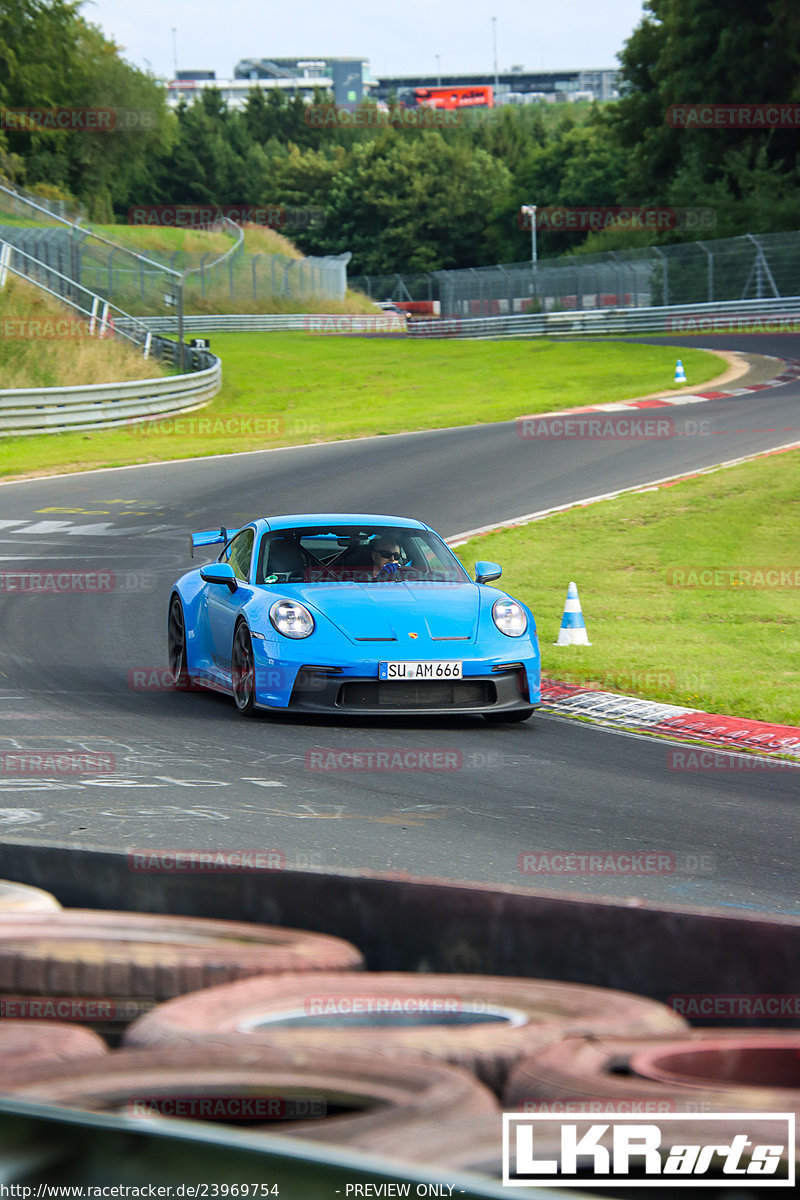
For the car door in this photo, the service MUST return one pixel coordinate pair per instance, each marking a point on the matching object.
(223, 605)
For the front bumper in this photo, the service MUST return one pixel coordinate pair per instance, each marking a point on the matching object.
(496, 691)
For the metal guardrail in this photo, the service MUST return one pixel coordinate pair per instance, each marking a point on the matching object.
(101, 406)
(727, 316)
(680, 318)
(105, 405)
(232, 323)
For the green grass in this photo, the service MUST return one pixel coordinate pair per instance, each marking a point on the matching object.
(43, 343)
(8, 218)
(303, 388)
(165, 240)
(730, 647)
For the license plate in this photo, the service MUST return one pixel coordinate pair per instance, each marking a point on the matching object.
(420, 670)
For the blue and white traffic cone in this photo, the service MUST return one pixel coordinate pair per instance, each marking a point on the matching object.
(573, 627)
(680, 374)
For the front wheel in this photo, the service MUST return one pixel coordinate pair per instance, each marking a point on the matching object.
(176, 647)
(243, 674)
(507, 718)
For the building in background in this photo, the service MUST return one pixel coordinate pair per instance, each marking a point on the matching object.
(349, 80)
(516, 86)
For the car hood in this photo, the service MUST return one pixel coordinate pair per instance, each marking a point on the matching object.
(394, 611)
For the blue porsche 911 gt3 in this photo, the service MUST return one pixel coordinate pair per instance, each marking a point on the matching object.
(361, 615)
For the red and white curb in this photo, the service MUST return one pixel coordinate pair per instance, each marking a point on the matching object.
(648, 716)
(671, 720)
(789, 372)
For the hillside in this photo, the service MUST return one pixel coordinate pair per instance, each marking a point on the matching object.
(256, 281)
(45, 344)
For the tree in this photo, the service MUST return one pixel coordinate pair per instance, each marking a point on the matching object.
(688, 52)
(411, 204)
(51, 58)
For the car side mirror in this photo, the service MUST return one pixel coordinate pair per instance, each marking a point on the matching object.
(219, 573)
(486, 572)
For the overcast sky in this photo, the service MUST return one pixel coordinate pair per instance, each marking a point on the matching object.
(396, 36)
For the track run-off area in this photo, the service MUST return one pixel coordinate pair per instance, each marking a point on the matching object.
(185, 772)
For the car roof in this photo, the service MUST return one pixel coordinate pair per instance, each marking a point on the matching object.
(294, 520)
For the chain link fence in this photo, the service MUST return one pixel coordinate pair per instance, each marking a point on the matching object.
(225, 280)
(751, 267)
(397, 287)
(16, 201)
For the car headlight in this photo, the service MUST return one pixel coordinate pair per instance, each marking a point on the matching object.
(291, 619)
(509, 617)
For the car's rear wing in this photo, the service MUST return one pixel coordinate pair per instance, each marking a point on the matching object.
(212, 537)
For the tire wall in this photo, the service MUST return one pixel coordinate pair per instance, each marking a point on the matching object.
(478, 929)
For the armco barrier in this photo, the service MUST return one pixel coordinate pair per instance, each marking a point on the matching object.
(231, 323)
(602, 322)
(104, 405)
(100, 406)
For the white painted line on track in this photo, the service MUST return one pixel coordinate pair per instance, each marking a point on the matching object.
(458, 539)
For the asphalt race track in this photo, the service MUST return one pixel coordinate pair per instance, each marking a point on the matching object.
(187, 772)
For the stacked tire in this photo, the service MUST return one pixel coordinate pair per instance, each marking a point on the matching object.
(482, 1023)
(353, 1100)
(106, 968)
(20, 897)
(755, 1069)
(282, 1030)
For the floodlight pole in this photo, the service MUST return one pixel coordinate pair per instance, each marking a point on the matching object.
(530, 210)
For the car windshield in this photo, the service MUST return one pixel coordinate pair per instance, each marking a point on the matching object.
(356, 554)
